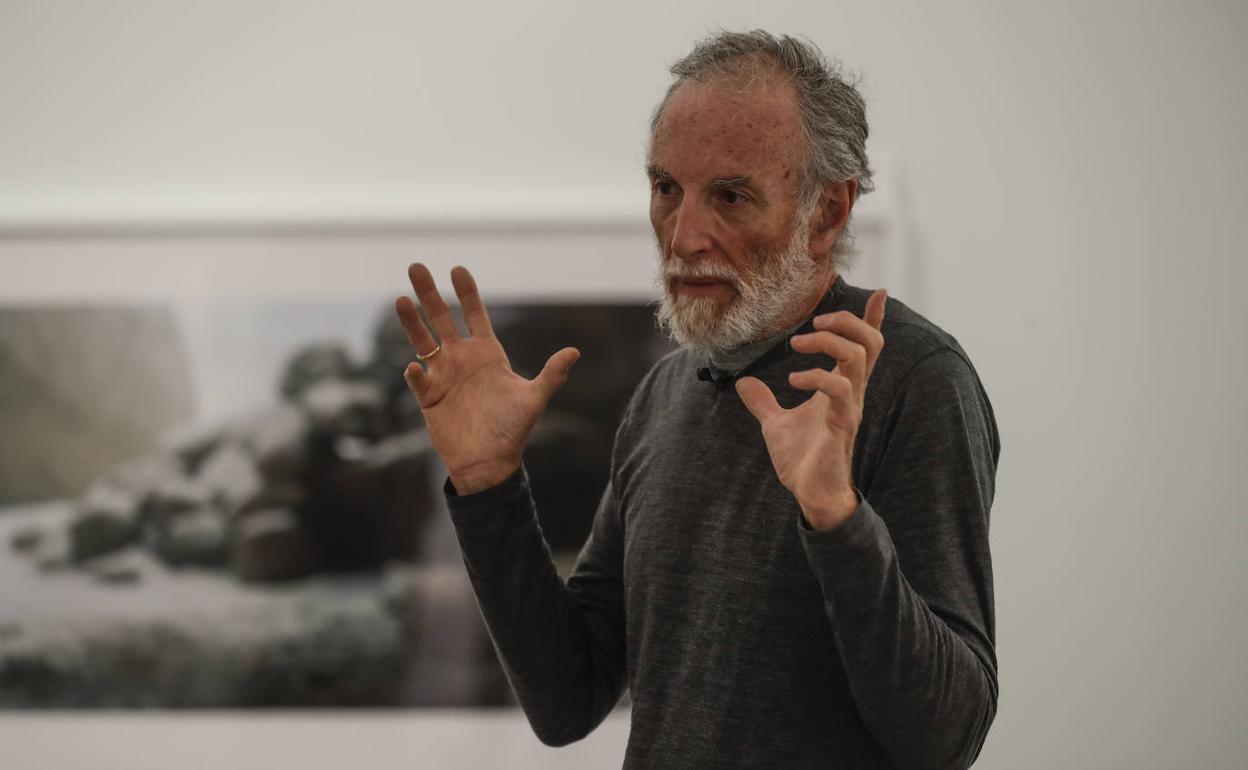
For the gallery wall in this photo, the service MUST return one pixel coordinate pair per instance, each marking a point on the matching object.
(1067, 178)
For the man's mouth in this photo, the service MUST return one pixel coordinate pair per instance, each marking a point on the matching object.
(701, 286)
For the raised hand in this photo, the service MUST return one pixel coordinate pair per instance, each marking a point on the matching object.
(478, 412)
(812, 444)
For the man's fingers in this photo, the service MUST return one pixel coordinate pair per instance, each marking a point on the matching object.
(758, 398)
(852, 327)
(844, 408)
(475, 315)
(415, 329)
(436, 309)
(851, 357)
(417, 381)
(555, 372)
(874, 315)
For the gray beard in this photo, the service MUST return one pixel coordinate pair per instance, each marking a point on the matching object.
(762, 304)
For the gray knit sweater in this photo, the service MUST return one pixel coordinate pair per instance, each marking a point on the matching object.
(745, 638)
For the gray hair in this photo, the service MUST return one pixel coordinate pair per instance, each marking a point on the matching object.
(832, 112)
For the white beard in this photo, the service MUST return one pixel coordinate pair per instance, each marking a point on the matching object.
(762, 303)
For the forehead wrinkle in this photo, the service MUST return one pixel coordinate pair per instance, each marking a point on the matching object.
(753, 125)
(715, 132)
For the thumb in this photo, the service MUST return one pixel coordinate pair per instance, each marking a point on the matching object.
(758, 398)
(555, 372)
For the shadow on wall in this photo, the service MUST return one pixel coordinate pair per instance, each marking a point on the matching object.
(288, 556)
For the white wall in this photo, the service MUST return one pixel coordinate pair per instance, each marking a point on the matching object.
(1074, 179)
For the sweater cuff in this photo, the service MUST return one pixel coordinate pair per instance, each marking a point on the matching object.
(859, 534)
(489, 522)
(509, 491)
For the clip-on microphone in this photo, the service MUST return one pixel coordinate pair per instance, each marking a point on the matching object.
(712, 375)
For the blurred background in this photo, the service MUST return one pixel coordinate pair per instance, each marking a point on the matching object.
(224, 186)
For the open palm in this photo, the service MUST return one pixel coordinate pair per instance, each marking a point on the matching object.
(478, 411)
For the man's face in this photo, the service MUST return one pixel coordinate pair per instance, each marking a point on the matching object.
(724, 166)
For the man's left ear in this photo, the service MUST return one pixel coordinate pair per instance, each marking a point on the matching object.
(831, 213)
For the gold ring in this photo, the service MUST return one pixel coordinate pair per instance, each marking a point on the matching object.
(430, 354)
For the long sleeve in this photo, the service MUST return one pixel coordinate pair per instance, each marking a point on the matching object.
(907, 580)
(562, 645)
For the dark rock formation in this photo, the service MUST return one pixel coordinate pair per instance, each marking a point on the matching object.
(277, 438)
(27, 539)
(199, 536)
(270, 545)
(343, 408)
(371, 500)
(119, 568)
(312, 514)
(313, 364)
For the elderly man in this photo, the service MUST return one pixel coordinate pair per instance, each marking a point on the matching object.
(814, 593)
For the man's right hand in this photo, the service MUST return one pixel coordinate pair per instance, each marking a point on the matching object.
(478, 412)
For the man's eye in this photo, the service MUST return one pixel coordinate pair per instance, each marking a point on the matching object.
(732, 197)
(664, 187)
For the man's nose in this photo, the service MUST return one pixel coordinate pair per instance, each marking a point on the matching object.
(691, 235)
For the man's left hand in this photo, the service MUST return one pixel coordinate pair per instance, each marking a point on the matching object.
(812, 444)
